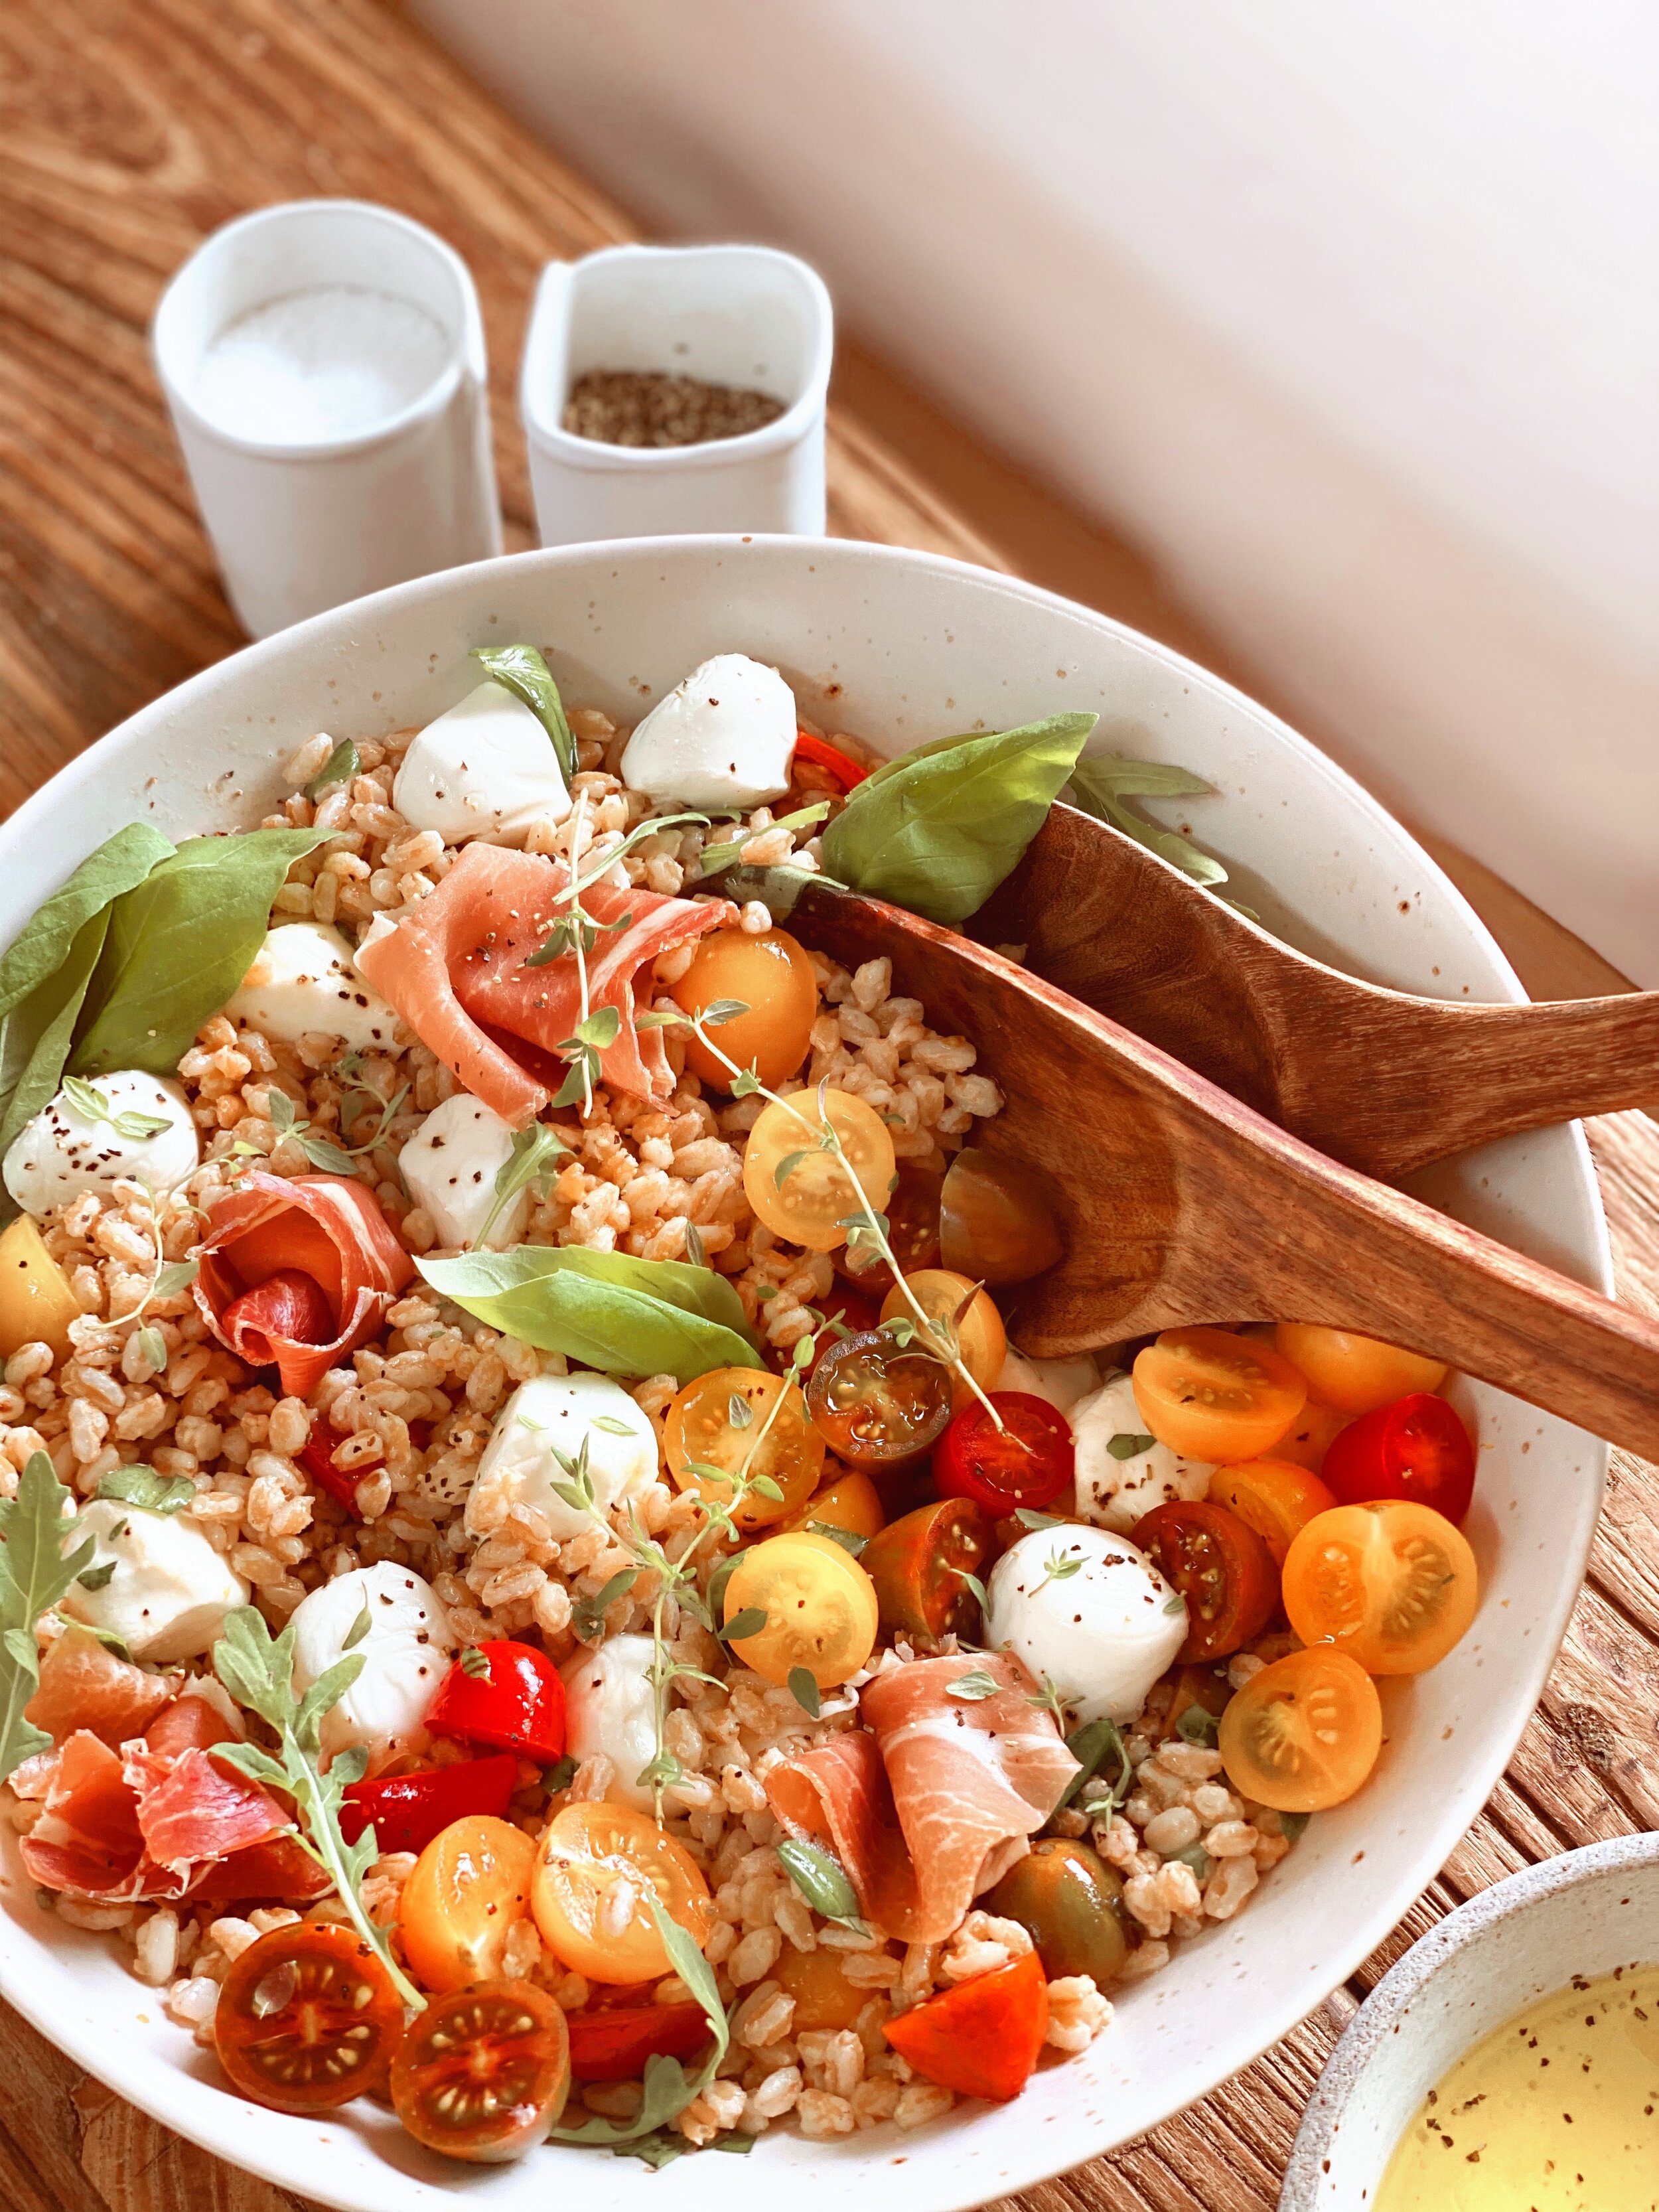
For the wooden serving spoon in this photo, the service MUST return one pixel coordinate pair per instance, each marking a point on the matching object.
(1185, 1206)
(1377, 1078)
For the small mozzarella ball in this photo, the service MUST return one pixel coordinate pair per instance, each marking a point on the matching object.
(724, 737)
(451, 1163)
(63, 1150)
(1062, 1383)
(305, 979)
(405, 1649)
(170, 1591)
(562, 1413)
(1103, 1628)
(487, 769)
(1113, 1492)
(610, 1707)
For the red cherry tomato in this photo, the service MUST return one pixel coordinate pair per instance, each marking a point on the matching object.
(821, 754)
(613, 2045)
(408, 1810)
(982, 2039)
(1027, 1461)
(1416, 1447)
(483, 2072)
(514, 1702)
(1220, 1566)
(306, 2019)
(857, 1315)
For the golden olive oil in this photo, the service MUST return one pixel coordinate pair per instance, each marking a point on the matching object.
(1557, 2111)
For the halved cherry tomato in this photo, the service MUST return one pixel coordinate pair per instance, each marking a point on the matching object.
(804, 1192)
(824, 1996)
(1355, 1374)
(819, 1605)
(1393, 1585)
(943, 1296)
(700, 1433)
(1416, 1448)
(1206, 1687)
(515, 1702)
(773, 977)
(1275, 1497)
(877, 1404)
(470, 1887)
(1304, 1733)
(912, 1211)
(588, 1919)
(982, 2039)
(918, 1565)
(852, 1310)
(1309, 1436)
(999, 1219)
(1211, 1395)
(408, 1810)
(851, 1503)
(306, 2019)
(483, 2072)
(613, 2045)
(1221, 1567)
(1027, 1461)
(821, 754)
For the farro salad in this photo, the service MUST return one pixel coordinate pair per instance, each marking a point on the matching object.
(533, 1581)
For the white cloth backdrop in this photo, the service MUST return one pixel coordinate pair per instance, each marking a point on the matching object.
(1350, 314)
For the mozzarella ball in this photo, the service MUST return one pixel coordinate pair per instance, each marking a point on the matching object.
(405, 1650)
(562, 1413)
(1061, 1382)
(65, 1150)
(1103, 1628)
(724, 737)
(170, 1591)
(1114, 1493)
(304, 980)
(451, 1163)
(487, 769)
(610, 1707)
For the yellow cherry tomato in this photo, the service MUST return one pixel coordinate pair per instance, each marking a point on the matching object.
(802, 1191)
(1309, 1436)
(1304, 1733)
(981, 1338)
(1355, 1374)
(1210, 1395)
(596, 1866)
(36, 1304)
(851, 1502)
(1275, 1496)
(820, 1608)
(470, 1887)
(700, 1433)
(1392, 1583)
(771, 975)
(824, 1996)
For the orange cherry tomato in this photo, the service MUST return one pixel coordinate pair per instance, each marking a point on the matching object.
(851, 1503)
(483, 2072)
(803, 1192)
(470, 1888)
(1220, 1566)
(981, 1338)
(700, 1433)
(1275, 1497)
(913, 1230)
(1392, 1583)
(586, 1853)
(982, 2039)
(1211, 1395)
(772, 976)
(824, 1996)
(918, 1565)
(306, 2019)
(999, 1219)
(1355, 1374)
(819, 1607)
(1310, 1437)
(1304, 1733)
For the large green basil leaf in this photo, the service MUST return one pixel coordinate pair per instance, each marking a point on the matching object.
(179, 945)
(622, 1316)
(1102, 785)
(936, 831)
(522, 670)
(43, 942)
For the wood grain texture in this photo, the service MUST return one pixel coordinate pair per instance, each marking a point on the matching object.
(128, 128)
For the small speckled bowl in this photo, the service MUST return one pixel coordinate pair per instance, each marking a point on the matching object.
(1584, 1913)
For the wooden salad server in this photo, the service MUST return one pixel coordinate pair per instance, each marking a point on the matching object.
(1377, 1078)
(1182, 1205)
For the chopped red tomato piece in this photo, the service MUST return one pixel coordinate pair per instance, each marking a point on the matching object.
(982, 2038)
(408, 1810)
(339, 1484)
(281, 1872)
(830, 758)
(506, 1695)
(614, 2043)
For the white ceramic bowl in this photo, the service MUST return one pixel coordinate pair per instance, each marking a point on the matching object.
(1583, 1913)
(899, 646)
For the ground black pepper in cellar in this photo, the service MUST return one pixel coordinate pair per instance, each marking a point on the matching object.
(646, 407)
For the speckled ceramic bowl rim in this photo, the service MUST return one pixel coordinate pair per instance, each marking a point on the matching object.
(1412, 1977)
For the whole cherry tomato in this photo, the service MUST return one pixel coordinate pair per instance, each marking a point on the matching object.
(1027, 1461)
(306, 2019)
(505, 1694)
(1416, 1448)
(612, 2044)
(1356, 1374)
(1221, 1567)
(1275, 1497)
(999, 1219)
(920, 1564)
(408, 1810)
(483, 2072)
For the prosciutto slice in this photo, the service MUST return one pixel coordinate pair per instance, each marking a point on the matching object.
(934, 1799)
(454, 969)
(274, 1234)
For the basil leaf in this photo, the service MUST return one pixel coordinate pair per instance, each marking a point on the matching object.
(776, 888)
(1103, 783)
(622, 1316)
(179, 945)
(936, 831)
(119, 864)
(141, 1486)
(1127, 1444)
(527, 676)
(822, 1881)
(34, 1576)
(341, 766)
(845, 1537)
(1291, 1826)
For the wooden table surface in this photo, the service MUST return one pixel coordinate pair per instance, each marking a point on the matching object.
(130, 128)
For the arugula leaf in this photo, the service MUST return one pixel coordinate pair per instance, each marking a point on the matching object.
(34, 1574)
(179, 945)
(257, 1670)
(141, 1486)
(527, 676)
(1101, 784)
(714, 858)
(938, 831)
(822, 1881)
(608, 1310)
